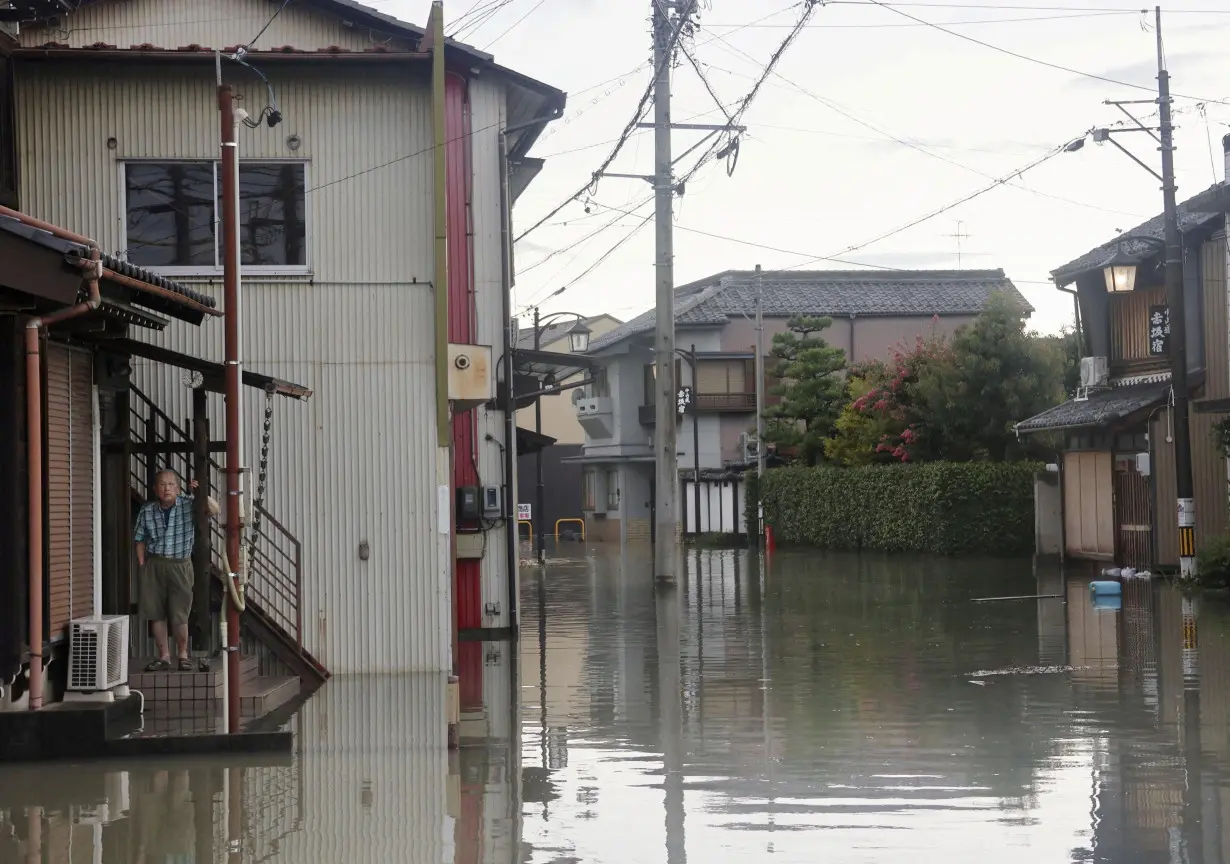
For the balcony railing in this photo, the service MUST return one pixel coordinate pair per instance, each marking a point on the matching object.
(709, 403)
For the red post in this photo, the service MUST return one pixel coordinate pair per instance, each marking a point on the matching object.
(230, 278)
(770, 542)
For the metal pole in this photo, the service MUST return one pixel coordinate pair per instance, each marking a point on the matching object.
(510, 392)
(695, 443)
(759, 393)
(230, 269)
(539, 517)
(1186, 509)
(665, 429)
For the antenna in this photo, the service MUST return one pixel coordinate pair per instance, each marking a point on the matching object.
(960, 236)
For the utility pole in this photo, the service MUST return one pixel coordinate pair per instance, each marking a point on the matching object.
(760, 373)
(1186, 509)
(233, 378)
(666, 459)
(540, 539)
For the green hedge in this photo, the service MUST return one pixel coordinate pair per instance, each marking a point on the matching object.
(941, 508)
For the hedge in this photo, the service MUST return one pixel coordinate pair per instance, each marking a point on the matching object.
(940, 508)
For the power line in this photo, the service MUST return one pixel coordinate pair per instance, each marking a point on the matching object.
(592, 267)
(967, 23)
(928, 216)
(1029, 59)
(268, 23)
(1029, 8)
(514, 25)
(906, 142)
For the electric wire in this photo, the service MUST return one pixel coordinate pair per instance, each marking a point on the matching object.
(514, 25)
(268, 23)
(1030, 59)
(967, 23)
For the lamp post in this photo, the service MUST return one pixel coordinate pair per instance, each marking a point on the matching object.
(578, 341)
(1120, 274)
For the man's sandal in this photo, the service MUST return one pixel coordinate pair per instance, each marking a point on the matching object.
(159, 666)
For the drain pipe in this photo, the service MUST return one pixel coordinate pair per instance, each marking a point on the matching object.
(34, 443)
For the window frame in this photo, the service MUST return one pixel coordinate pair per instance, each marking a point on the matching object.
(612, 490)
(216, 271)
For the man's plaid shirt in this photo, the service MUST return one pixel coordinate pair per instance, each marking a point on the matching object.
(169, 533)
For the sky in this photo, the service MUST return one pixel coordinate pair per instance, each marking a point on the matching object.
(870, 121)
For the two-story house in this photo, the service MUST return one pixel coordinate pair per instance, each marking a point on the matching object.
(1118, 468)
(715, 324)
(364, 278)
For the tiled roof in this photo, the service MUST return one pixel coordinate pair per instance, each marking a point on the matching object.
(551, 333)
(1099, 409)
(1195, 212)
(68, 247)
(714, 301)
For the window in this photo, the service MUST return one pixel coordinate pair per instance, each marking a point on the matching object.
(612, 489)
(173, 210)
(589, 497)
(8, 151)
(600, 387)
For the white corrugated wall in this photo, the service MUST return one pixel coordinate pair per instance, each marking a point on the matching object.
(487, 107)
(356, 463)
(214, 24)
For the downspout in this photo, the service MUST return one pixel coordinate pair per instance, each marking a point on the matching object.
(34, 443)
(510, 412)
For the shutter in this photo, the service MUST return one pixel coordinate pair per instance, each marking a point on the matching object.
(736, 382)
(70, 486)
(711, 377)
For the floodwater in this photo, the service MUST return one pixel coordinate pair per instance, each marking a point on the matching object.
(825, 708)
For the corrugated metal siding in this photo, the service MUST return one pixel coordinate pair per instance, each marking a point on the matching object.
(214, 24)
(358, 461)
(1216, 353)
(486, 116)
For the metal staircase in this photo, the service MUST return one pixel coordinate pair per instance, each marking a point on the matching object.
(274, 613)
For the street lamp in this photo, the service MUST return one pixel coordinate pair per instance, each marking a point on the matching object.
(1120, 270)
(578, 341)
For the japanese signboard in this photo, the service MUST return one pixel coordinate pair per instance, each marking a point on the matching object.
(1159, 331)
(523, 512)
(684, 400)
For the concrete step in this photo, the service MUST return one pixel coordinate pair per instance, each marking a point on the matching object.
(176, 686)
(262, 695)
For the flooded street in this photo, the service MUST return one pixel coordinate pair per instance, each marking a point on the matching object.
(835, 708)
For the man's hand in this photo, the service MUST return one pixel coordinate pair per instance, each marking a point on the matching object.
(193, 485)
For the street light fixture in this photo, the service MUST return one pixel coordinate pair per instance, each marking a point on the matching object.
(1120, 270)
(578, 337)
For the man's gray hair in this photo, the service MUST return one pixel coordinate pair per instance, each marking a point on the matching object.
(168, 472)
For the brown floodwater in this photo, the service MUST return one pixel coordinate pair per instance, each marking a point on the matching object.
(823, 708)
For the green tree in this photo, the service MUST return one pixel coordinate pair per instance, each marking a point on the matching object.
(811, 388)
(996, 375)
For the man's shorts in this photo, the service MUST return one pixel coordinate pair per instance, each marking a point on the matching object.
(166, 590)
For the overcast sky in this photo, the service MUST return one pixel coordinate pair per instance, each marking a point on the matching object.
(819, 170)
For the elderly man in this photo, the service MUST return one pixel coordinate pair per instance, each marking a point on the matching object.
(164, 535)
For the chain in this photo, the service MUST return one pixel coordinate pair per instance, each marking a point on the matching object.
(263, 473)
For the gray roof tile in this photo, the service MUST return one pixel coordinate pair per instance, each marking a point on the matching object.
(1099, 409)
(1195, 212)
(712, 302)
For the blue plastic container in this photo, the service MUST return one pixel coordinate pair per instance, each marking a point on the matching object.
(1105, 589)
(1107, 602)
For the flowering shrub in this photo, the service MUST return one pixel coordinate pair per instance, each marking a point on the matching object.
(943, 508)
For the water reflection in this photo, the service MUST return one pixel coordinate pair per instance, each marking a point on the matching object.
(824, 708)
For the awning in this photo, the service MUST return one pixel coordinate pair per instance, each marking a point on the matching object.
(213, 374)
(1100, 409)
(529, 441)
(553, 364)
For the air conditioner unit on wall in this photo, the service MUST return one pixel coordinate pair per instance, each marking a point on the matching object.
(97, 653)
(1095, 371)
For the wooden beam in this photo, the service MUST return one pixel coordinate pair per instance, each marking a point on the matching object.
(164, 448)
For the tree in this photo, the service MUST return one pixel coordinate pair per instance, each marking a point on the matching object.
(811, 388)
(996, 375)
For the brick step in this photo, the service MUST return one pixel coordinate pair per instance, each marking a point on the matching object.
(186, 686)
(260, 696)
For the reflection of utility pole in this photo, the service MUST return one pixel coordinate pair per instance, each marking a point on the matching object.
(670, 716)
(1193, 789)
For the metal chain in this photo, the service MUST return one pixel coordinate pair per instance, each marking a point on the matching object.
(263, 473)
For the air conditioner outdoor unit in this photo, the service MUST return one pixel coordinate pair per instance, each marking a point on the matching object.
(97, 653)
(1095, 372)
(750, 445)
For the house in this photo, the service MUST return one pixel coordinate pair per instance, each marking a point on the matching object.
(375, 188)
(558, 422)
(873, 313)
(1118, 467)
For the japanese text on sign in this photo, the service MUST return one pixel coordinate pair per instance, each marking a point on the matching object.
(684, 399)
(1159, 330)
(523, 512)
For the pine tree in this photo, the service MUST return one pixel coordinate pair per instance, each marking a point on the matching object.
(811, 388)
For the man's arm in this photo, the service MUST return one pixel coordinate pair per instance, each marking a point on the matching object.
(138, 536)
(210, 504)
